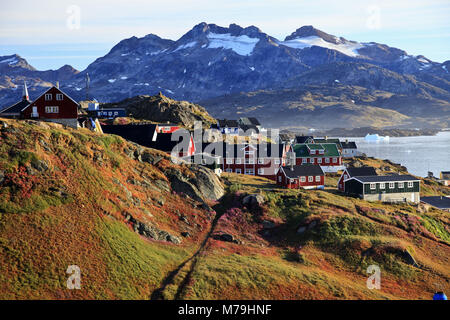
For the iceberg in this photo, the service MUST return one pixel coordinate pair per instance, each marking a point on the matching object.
(376, 137)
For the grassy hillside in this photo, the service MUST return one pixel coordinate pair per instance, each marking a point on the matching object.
(73, 197)
(65, 199)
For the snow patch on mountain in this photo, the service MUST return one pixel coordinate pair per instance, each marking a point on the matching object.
(185, 46)
(9, 61)
(347, 48)
(242, 45)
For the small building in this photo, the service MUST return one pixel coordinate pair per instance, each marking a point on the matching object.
(393, 188)
(325, 155)
(349, 149)
(439, 202)
(54, 106)
(309, 176)
(354, 172)
(225, 126)
(445, 178)
(14, 110)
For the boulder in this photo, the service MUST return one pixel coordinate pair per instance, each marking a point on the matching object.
(207, 182)
(186, 234)
(267, 224)
(253, 200)
(40, 165)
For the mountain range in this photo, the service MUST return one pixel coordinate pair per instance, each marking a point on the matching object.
(310, 78)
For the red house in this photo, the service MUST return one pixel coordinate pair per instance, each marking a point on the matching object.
(354, 172)
(55, 106)
(326, 155)
(262, 159)
(308, 176)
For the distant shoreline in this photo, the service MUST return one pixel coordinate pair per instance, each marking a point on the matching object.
(362, 132)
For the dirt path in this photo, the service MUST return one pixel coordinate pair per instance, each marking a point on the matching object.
(171, 278)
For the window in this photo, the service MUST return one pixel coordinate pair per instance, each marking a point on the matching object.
(310, 179)
(345, 177)
(391, 185)
(48, 96)
(303, 179)
(321, 151)
(335, 160)
(249, 171)
(238, 161)
(317, 178)
(327, 160)
(401, 185)
(229, 161)
(51, 109)
(116, 113)
(311, 160)
(59, 96)
(249, 152)
(291, 180)
(373, 186)
(260, 171)
(277, 161)
(410, 184)
(238, 171)
(304, 160)
(260, 161)
(319, 160)
(313, 151)
(279, 178)
(382, 185)
(229, 170)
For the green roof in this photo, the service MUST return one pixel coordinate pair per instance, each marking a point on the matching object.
(334, 140)
(330, 150)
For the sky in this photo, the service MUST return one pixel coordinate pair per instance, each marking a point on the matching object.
(50, 34)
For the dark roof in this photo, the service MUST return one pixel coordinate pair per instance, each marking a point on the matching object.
(17, 107)
(349, 145)
(254, 121)
(141, 134)
(303, 170)
(392, 178)
(249, 121)
(437, 201)
(164, 143)
(303, 139)
(227, 123)
(362, 171)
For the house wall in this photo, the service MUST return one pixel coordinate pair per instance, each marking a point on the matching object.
(396, 189)
(354, 187)
(394, 197)
(315, 160)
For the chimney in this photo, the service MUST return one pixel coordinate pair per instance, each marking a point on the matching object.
(57, 84)
(25, 92)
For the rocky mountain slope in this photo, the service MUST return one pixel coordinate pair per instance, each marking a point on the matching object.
(140, 227)
(160, 108)
(211, 61)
